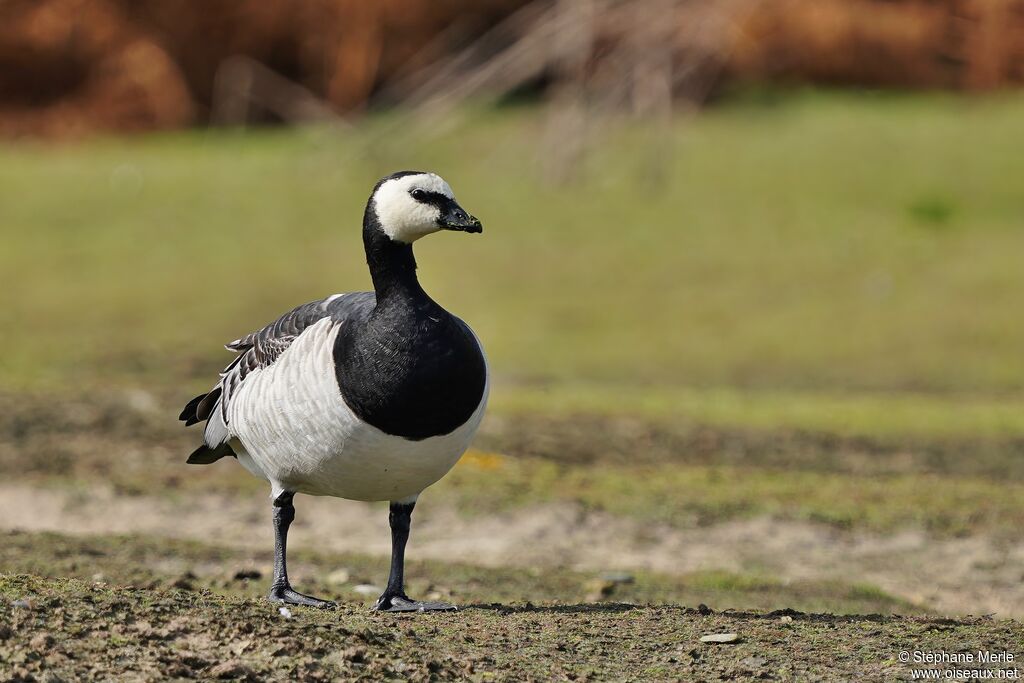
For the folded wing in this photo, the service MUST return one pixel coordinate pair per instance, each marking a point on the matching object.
(257, 350)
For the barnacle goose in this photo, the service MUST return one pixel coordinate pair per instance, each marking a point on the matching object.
(366, 396)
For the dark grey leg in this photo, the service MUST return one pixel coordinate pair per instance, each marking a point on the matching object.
(394, 598)
(280, 589)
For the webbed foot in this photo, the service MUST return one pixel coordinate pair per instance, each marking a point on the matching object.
(402, 603)
(289, 596)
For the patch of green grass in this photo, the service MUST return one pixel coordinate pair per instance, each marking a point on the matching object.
(720, 585)
(934, 212)
(730, 581)
(683, 495)
(157, 563)
(903, 414)
(779, 253)
(679, 474)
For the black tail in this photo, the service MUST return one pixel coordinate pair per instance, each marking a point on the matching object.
(188, 415)
(199, 408)
(204, 455)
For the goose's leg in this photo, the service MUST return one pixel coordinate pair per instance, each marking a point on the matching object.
(394, 598)
(280, 589)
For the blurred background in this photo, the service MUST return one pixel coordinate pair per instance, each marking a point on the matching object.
(750, 286)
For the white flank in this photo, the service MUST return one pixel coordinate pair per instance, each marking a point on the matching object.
(296, 431)
(403, 218)
(216, 431)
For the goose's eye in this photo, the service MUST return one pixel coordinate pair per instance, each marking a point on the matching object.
(419, 195)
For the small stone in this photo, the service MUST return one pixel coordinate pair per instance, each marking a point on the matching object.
(704, 610)
(367, 589)
(338, 577)
(285, 612)
(720, 638)
(786, 619)
(753, 662)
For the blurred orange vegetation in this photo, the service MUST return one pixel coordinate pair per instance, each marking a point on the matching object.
(482, 460)
(70, 67)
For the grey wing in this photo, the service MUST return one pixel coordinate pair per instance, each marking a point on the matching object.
(256, 350)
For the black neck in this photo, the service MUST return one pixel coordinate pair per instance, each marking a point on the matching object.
(408, 367)
(392, 265)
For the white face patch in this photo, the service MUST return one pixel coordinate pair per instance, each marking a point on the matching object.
(403, 218)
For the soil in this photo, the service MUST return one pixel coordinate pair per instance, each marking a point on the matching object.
(54, 630)
(971, 575)
(124, 568)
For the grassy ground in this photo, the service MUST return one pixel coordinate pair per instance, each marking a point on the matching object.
(799, 356)
(150, 635)
(651, 471)
(823, 244)
(168, 563)
(184, 625)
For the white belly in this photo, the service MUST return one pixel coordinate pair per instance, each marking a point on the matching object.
(297, 431)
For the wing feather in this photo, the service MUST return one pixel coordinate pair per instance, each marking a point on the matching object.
(258, 350)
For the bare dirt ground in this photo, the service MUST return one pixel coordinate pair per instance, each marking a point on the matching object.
(140, 608)
(118, 562)
(975, 575)
(146, 635)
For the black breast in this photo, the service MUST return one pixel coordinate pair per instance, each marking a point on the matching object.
(414, 371)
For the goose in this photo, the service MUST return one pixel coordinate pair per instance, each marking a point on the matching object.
(369, 396)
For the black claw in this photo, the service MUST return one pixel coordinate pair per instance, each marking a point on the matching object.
(289, 596)
(402, 603)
